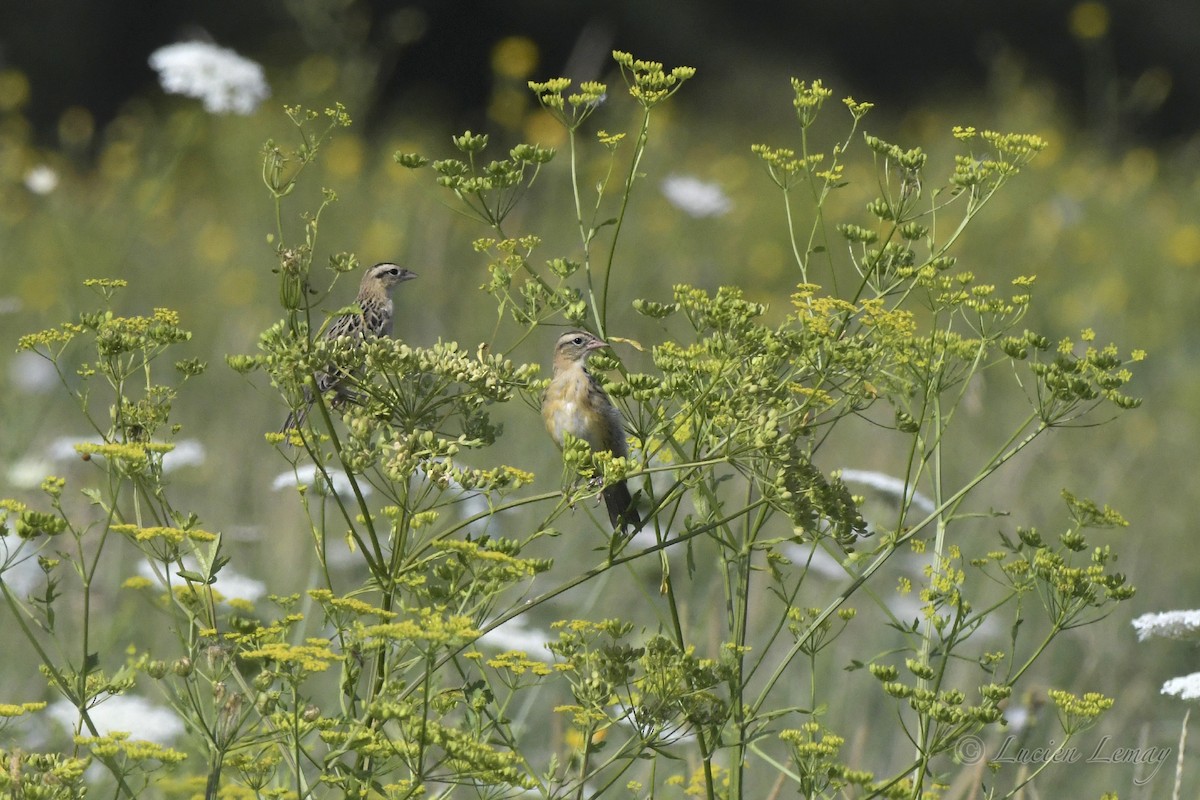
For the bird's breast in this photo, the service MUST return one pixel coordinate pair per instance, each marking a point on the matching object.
(566, 409)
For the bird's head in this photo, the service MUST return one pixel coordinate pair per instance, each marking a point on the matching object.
(388, 275)
(575, 346)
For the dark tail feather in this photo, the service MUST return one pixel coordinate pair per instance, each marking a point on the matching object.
(297, 417)
(622, 512)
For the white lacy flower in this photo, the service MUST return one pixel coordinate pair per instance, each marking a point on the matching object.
(695, 197)
(41, 179)
(32, 374)
(890, 485)
(231, 583)
(136, 716)
(517, 635)
(815, 559)
(309, 475)
(225, 81)
(1168, 624)
(187, 453)
(1185, 688)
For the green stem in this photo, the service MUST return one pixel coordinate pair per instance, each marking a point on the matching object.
(888, 549)
(639, 150)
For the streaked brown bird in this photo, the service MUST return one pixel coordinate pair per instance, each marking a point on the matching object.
(577, 404)
(375, 300)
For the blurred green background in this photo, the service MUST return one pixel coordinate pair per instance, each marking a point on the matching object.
(103, 175)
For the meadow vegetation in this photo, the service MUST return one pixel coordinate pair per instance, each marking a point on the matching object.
(864, 381)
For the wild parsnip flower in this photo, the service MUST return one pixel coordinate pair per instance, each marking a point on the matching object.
(695, 197)
(62, 449)
(225, 81)
(41, 179)
(1168, 624)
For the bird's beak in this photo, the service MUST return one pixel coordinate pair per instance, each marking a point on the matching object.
(596, 344)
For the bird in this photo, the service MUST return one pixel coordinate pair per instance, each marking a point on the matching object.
(577, 404)
(374, 321)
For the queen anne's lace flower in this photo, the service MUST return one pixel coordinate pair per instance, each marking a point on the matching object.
(225, 81)
(695, 197)
(1168, 624)
(1186, 687)
(41, 179)
(129, 713)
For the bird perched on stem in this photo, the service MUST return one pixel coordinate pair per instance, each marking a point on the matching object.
(577, 404)
(375, 320)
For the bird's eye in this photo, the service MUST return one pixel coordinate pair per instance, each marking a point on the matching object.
(577, 340)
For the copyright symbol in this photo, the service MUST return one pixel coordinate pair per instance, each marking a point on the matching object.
(969, 750)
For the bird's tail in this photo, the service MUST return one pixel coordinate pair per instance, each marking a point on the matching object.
(294, 419)
(622, 511)
(297, 417)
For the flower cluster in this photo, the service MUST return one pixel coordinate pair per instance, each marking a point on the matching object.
(225, 81)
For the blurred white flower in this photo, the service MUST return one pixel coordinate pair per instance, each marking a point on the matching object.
(31, 373)
(24, 575)
(695, 197)
(28, 472)
(187, 453)
(1168, 624)
(1017, 716)
(1186, 687)
(10, 305)
(516, 635)
(889, 485)
(229, 582)
(41, 179)
(818, 560)
(63, 448)
(308, 475)
(137, 716)
(224, 80)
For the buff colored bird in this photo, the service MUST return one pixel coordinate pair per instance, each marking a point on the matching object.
(577, 404)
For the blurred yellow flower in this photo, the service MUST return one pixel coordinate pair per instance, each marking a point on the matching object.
(515, 57)
(344, 158)
(14, 89)
(216, 243)
(1183, 246)
(238, 287)
(508, 106)
(119, 161)
(380, 242)
(76, 126)
(317, 73)
(544, 129)
(765, 260)
(1140, 167)
(39, 289)
(1089, 20)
